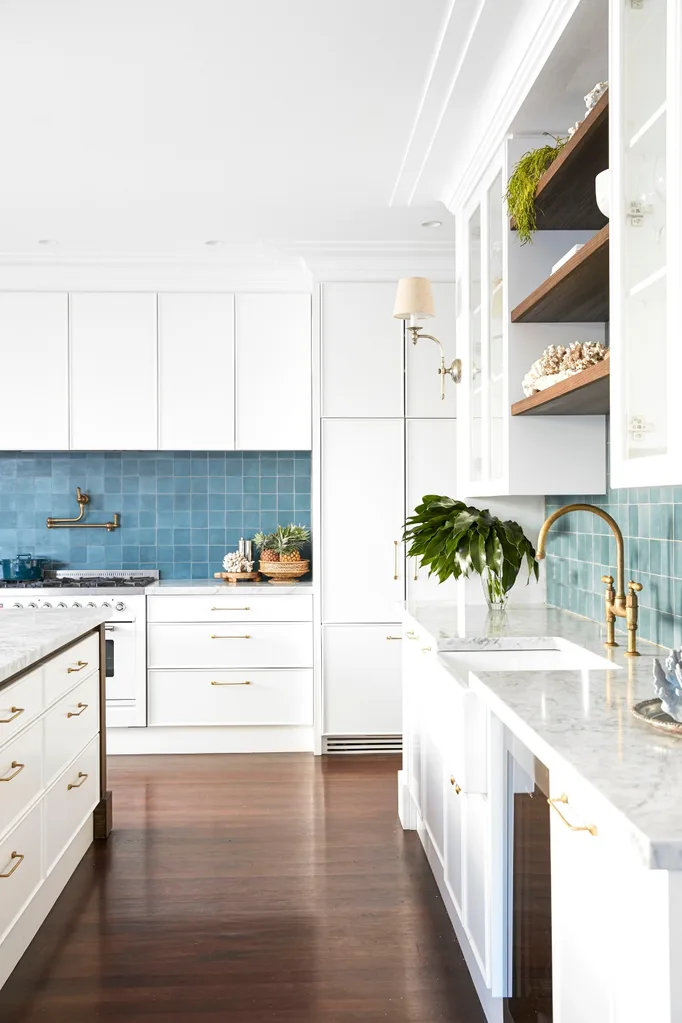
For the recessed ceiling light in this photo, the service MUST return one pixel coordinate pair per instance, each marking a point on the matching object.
(432, 223)
(214, 241)
(46, 241)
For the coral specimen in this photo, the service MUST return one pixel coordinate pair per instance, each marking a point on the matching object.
(559, 362)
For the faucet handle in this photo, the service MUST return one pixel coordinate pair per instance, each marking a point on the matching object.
(608, 579)
(635, 587)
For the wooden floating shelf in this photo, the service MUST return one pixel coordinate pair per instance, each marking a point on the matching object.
(584, 394)
(577, 293)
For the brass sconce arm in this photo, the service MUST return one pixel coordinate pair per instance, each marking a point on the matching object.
(454, 370)
(77, 522)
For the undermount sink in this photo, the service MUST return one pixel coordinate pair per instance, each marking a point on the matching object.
(564, 656)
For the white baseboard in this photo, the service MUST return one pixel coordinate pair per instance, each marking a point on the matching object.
(407, 811)
(206, 739)
(20, 936)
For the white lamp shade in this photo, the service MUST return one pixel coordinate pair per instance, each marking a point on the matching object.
(414, 299)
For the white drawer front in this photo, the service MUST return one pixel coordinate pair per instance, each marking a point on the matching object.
(64, 670)
(20, 703)
(21, 859)
(74, 796)
(285, 645)
(70, 725)
(230, 606)
(21, 774)
(231, 697)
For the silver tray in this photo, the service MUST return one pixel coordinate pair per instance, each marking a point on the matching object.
(650, 711)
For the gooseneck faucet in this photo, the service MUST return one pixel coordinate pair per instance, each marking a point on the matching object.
(617, 604)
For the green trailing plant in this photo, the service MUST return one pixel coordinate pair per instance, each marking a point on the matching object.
(454, 539)
(521, 186)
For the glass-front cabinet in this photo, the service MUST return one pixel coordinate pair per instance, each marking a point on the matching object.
(645, 238)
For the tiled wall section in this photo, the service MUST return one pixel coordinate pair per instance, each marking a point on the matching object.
(581, 548)
(180, 511)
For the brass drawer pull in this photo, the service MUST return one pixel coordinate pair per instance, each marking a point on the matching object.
(17, 768)
(416, 570)
(19, 857)
(81, 665)
(456, 786)
(213, 636)
(395, 559)
(77, 713)
(230, 609)
(247, 683)
(394, 637)
(14, 712)
(426, 649)
(77, 784)
(563, 799)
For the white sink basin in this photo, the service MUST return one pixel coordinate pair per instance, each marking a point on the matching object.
(564, 656)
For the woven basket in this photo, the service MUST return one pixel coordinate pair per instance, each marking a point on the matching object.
(284, 573)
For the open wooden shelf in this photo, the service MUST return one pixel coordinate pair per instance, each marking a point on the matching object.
(577, 293)
(584, 394)
(565, 198)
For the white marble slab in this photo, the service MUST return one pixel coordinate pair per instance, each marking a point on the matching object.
(177, 587)
(579, 719)
(27, 636)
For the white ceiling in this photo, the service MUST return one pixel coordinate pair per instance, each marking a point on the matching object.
(151, 126)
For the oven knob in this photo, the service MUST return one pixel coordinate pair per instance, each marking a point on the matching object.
(90, 604)
(33, 605)
(106, 605)
(76, 604)
(17, 605)
(47, 604)
(120, 606)
(61, 604)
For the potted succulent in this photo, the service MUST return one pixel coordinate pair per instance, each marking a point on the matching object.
(280, 552)
(523, 182)
(455, 539)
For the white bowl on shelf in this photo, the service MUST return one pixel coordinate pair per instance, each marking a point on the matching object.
(602, 190)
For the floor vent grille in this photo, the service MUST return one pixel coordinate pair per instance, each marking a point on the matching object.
(363, 744)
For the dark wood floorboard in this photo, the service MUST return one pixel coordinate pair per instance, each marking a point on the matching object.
(248, 889)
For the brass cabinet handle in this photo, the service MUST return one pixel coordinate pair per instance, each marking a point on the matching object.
(213, 636)
(77, 713)
(14, 712)
(19, 857)
(426, 649)
(416, 570)
(563, 799)
(395, 559)
(17, 768)
(394, 637)
(82, 778)
(456, 786)
(247, 683)
(230, 609)
(81, 665)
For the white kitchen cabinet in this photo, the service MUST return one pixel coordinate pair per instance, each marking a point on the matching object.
(196, 372)
(34, 353)
(501, 454)
(422, 361)
(645, 127)
(273, 372)
(362, 519)
(113, 372)
(362, 690)
(362, 351)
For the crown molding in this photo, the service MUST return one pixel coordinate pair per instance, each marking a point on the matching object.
(378, 260)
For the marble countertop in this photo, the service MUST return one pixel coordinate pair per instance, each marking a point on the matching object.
(579, 719)
(27, 636)
(175, 587)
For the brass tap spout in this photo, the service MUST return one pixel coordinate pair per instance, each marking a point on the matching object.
(617, 604)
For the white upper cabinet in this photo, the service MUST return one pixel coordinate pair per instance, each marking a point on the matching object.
(196, 372)
(645, 125)
(34, 353)
(273, 372)
(113, 372)
(362, 351)
(422, 361)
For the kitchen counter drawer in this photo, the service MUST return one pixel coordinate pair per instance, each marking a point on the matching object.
(21, 774)
(70, 802)
(231, 697)
(219, 645)
(20, 703)
(230, 606)
(66, 668)
(70, 725)
(21, 859)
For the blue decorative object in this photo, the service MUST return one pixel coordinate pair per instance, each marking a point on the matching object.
(668, 683)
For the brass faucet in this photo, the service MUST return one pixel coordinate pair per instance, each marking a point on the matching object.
(617, 605)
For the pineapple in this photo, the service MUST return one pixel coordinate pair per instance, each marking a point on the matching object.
(265, 542)
(288, 542)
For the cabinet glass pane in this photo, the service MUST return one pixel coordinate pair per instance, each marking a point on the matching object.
(475, 342)
(495, 328)
(643, 130)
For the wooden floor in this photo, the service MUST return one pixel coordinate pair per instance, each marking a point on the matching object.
(248, 889)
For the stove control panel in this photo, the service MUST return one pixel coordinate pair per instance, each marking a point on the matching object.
(118, 610)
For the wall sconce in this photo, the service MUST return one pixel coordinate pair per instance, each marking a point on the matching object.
(414, 301)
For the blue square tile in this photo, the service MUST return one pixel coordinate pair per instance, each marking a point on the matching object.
(216, 535)
(251, 485)
(268, 502)
(181, 466)
(216, 484)
(181, 502)
(233, 502)
(181, 484)
(199, 520)
(216, 517)
(199, 553)
(181, 519)
(182, 553)
(182, 569)
(199, 485)
(251, 502)
(200, 570)
(164, 502)
(165, 485)
(148, 552)
(285, 484)
(147, 519)
(181, 537)
(164, 537)
(216, 554)
(285, 466)
(199, 502)
(216, 463)
(268, 485)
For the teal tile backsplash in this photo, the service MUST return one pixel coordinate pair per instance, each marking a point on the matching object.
(180, 511)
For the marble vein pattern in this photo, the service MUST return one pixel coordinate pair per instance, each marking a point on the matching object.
(26, 636)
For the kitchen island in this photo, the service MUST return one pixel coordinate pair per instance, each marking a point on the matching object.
(505, 717)
(53, 797)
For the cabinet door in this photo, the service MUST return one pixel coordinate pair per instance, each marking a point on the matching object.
(362, 351)
(273, 372)
(362, 680)
(196, 372)
(34, 353)
(422, 361)
(362, 517)
(412, 668)
(431, 463)
(113, 372)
